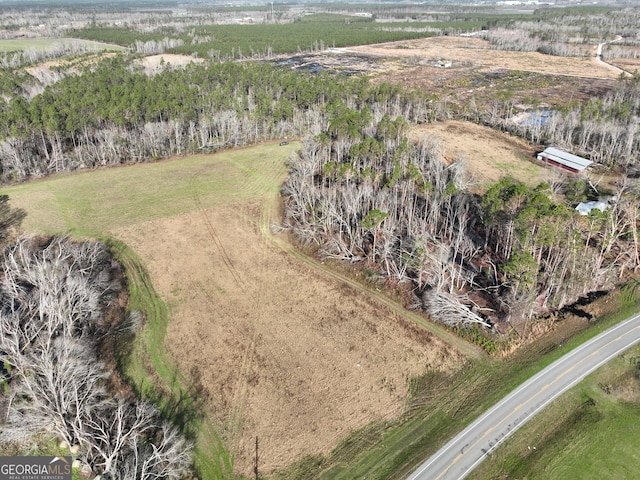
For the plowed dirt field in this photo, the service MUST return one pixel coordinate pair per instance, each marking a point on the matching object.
(283, 353)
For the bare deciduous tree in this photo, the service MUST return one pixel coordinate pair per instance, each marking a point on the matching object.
(53, 297)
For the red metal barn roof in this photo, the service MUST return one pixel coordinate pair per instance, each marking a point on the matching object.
(564, 159)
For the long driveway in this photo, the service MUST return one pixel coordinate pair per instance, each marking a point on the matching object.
(457, 458)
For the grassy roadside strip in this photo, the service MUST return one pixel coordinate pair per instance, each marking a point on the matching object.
(589, 432)
(441, 407)
(152, 374)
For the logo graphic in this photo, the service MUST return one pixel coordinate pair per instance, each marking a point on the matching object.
(35, 468)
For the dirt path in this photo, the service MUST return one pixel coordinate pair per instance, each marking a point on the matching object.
(599, 61)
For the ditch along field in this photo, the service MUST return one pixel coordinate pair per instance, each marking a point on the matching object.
(272, 344)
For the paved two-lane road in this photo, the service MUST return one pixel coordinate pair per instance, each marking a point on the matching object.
(458, 457)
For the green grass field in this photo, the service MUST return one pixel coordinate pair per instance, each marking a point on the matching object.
(98, 202)
(94, 203)
(589, 433)
(18, 44)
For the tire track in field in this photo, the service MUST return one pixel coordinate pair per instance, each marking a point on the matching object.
(467, 349)
(216, 240)
(248, 355)
(257, 185)
(263, 184)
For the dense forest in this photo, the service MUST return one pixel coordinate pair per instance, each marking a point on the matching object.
(366, 191)
(113, 114)
(566, 32)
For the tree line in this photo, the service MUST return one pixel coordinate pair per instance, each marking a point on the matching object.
(32, 55)
(360, 191)
(113, 113)
(256, 40)
(565, 31)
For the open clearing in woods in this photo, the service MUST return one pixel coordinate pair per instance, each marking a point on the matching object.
(488, 154)
(17, 44)
(276, 348)
(476, 71)
(478, 53)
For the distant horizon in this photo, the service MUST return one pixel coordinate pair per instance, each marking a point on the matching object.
(239, 3)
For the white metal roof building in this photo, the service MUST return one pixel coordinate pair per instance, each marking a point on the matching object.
(584, 208)
(567, 161)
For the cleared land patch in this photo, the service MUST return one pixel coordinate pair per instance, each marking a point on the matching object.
(157, 63)
(463, 68)
(277, 349)
(478, 53)
(16, 44)
(627, 64)
(100, 201)
(284, 353)
(489, 154)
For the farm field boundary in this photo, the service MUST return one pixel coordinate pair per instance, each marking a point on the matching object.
(153, 375)
(169, 220)
(78, 204)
